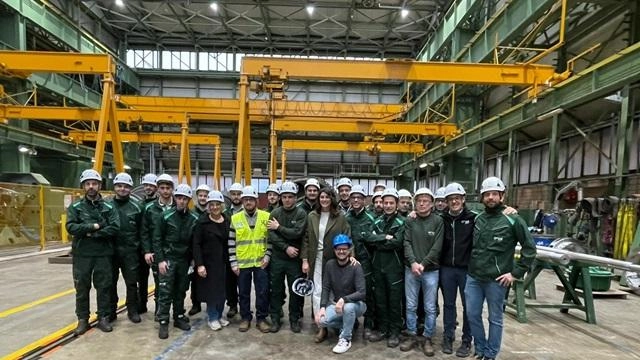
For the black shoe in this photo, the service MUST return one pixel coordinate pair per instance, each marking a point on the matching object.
(142, 309)
(295, 326)
(134, 317)
(464, 350)
(113, 317)
(233, 311)
(83, 326)
(377, 336)
(104, 325)
(275, 327)
(195, 309)
(393, 341)
(182, 323)
(447, 346)
(477, 356)
(163, 333)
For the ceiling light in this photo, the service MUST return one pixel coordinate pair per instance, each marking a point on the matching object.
(23, 149)
(93, 160)
(404, 13)
(310, 9)
(127, 167)
(423, 165)
(214, 6)
(120, 3)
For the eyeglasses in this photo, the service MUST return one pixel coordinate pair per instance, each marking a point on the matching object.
(341, 250)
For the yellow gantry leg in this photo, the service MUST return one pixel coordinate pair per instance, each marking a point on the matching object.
(216, 168)
(243, 126)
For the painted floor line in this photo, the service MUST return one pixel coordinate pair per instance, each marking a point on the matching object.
(43, 300)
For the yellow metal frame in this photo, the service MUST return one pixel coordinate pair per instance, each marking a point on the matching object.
(368, 127)
(24, 63)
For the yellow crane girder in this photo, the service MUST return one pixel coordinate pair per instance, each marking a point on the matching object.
(80, 136)
(400, 70)
(369, 146)
(24, 63)
(368, 127)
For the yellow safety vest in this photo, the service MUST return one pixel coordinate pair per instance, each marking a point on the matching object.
(251, 244)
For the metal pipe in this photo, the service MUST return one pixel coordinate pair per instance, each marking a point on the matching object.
(557, 258)
(596, 260)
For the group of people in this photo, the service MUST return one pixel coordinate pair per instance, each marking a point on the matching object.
(381, 262)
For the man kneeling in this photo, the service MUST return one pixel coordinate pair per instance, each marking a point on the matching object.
(345, 280)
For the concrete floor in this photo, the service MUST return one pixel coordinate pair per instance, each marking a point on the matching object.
(548, 334)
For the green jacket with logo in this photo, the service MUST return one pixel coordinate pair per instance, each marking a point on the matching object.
(172, 235)
(495, 238)
(150, 218)
(361, 226)
(130, 214)
(81, 217)
(388, 255)
(423, 241)
(292, 229)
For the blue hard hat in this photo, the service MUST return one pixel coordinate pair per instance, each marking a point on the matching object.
(341, 239)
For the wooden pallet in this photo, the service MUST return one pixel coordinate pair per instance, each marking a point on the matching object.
(611, 293)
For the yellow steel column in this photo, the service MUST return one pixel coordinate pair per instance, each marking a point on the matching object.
(243, 124)
(283, 164)
(104, 122)
(247, 154)
(216, 168)
(187, 162)
(273, 165)
(183, 145)
(41, 217)
(114, 128)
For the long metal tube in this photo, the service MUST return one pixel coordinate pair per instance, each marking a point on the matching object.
(593, 259)
(557, 258)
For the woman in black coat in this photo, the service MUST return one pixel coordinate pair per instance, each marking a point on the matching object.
(210, 249)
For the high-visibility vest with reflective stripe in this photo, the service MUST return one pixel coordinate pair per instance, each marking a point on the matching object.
(251, 244)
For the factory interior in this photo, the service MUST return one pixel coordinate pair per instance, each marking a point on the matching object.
(407, 94)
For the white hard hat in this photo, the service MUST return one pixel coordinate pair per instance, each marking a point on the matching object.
(236, 187)
(149, 179)
(454, 189)
(440, 193)
(312, 182)
(90, 174)
(345, 181)
(289, 187)
(424, 191)
(166, 178)
(390, 192)
(184, 190)
(249, 191)
(492, 183)
(123, 178)
(215, 195)
(273, 188)
(383, 186)
(404, 193)
(203, 187)
(357, 189)
(376, 194)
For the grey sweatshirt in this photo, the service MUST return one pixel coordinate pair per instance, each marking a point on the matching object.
(345, 282)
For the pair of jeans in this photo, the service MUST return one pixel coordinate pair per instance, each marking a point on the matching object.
(345, 322)
(452, 281)
(475, 293)
(260, 279)
(428, 283)
(214, 310)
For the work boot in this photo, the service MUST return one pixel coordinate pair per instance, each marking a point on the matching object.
(275, 326)
(263, 326)
(133, 316)
(295, 326)
(408, 343)
(377, 336)
(244, 326)
(196, 308)
(113, 317)
(447, 345)
(427, 348)
(83, 326)
(104, 325)
(163, 333)
(367, 333)
(182, 323)
(464, 350)
(320, 335)
(233, 311)
(393, 341)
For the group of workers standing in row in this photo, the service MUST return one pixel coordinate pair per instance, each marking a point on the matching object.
(352, 260)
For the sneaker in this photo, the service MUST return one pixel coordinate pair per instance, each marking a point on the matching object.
(195, 309)
(182, 323)
(215, 325)
(233, 311)
(408, 343)
(427, 348)
(104, 325)
(244, 326)
(295, 326)
(464, 350)
(134, 317)
(342, 346)
(83, 326)
(224, 322)
(447, 345)
(163, 333)
(263, 326)
(393, 341)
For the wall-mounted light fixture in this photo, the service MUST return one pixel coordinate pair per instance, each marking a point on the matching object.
(27, 150)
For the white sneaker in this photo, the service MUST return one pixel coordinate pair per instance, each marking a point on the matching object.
(224, 322)
(215, 325)
(342, 347)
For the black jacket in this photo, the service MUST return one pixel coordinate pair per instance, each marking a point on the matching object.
(458, 238)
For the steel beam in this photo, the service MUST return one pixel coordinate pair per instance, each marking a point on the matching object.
(80, 136)
(414, 71)
(594, 82)
(368, 127)
(23, 63)
(372, 147)
(67, 87)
